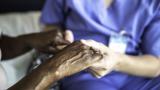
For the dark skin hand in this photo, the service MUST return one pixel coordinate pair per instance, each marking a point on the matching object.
(72, 59)
(47, 42)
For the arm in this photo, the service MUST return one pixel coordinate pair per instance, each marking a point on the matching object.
(12, 47)
(143, 65)
(147, 64)
(52, 17)
(44, 41)
(67, 62)
(35, 80)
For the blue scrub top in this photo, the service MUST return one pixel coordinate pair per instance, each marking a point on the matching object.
(91, 19)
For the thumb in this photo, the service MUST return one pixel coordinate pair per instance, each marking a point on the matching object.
(69, 36)
(96, 45)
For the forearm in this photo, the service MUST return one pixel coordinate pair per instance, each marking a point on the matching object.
(68, 61)
(12, 47)
(145, 65)
(39, 79)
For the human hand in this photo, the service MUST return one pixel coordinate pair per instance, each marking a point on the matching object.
(47, 41)
(68, 36)
(72, 59)
(65, 37)
(108, 62)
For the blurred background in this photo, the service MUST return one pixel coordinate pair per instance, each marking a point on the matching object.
(20, 5)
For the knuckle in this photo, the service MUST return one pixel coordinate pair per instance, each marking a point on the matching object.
(84, 47)
(75, 43)
(58, 32)
(86, 52)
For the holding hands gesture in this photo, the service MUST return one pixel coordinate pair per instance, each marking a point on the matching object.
(107, 63)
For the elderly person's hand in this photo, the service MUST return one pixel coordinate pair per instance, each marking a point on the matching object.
(74, 58)
(108, 62)
(70, 60)
(48, 41)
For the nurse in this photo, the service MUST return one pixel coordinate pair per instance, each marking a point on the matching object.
(129, 31)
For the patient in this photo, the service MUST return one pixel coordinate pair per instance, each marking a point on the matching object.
(65, 62)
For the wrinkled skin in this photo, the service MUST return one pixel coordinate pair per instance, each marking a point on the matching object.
(47, 42)
(108, 62)
(75, 58)
(72, 59)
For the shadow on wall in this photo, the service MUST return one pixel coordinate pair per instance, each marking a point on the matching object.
(20, 5)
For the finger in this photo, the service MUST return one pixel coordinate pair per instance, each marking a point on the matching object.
(60, 47)
(84, 62)
(90, 43)
(52, 49)
(77, 45)
(93, 57)
(87, 58)
(69, 36)
(61, 41)
(96, 45)
(48, 49)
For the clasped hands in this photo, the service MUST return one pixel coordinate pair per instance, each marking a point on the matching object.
(95, 56)
(108, 62)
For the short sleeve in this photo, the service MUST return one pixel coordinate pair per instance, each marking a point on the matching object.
(52, 12)
(151, 37)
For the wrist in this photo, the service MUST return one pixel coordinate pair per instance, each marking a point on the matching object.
(50, 70)
(120, 62)
(47, 76)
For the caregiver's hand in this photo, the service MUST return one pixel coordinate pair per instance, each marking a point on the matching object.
(108, 62)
